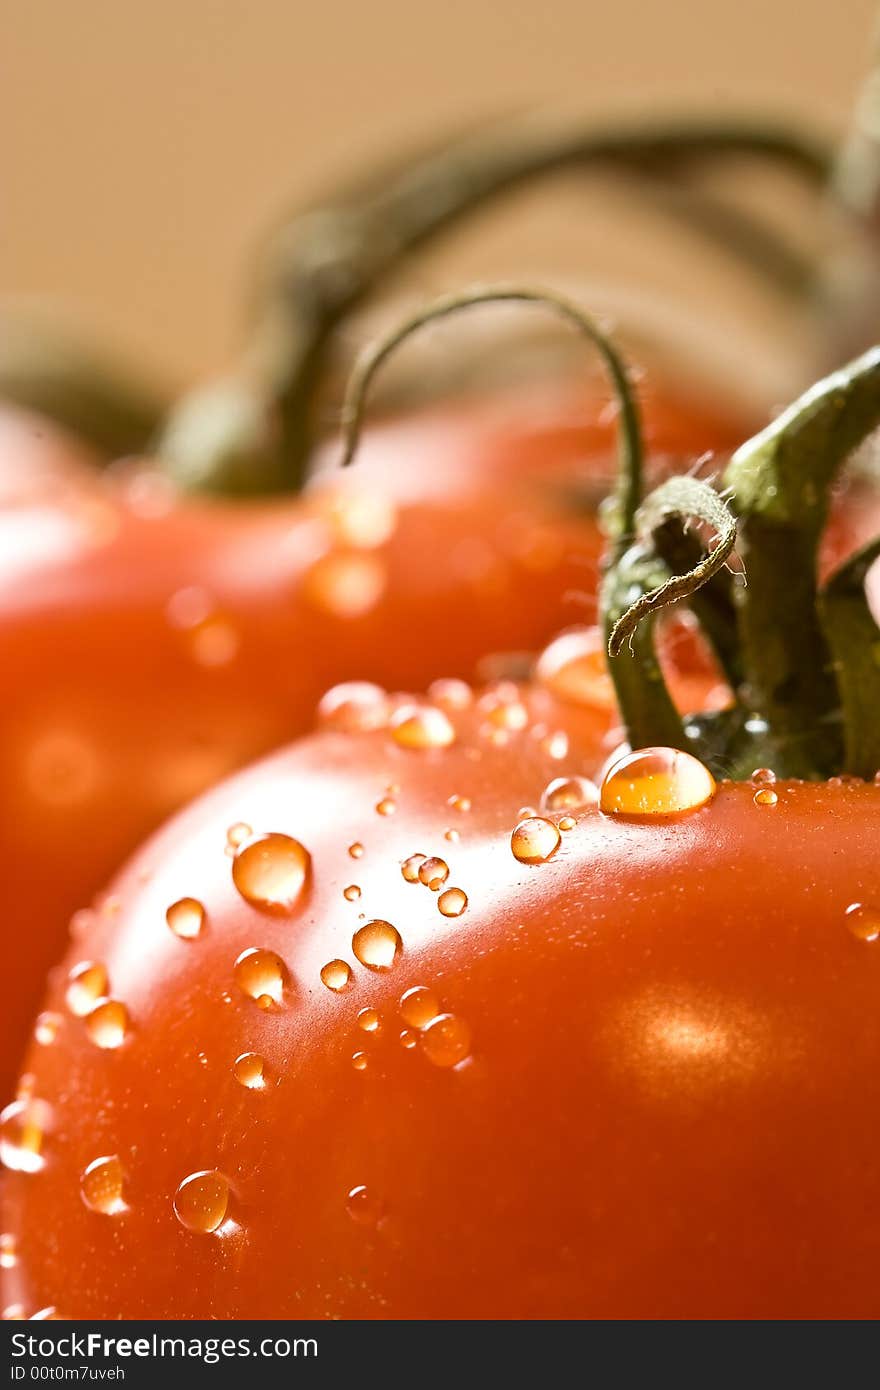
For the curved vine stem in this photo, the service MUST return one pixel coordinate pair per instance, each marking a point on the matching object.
(680, 498)
(630, 440)
(329, 260)
(854, 639)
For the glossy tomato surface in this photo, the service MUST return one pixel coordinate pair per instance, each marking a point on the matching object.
(151, 645)
(639, 1076)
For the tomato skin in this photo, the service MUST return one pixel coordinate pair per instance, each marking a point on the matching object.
(670, 1108)
(112, 718)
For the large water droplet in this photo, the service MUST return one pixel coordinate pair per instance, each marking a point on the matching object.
(655, 782)
(765, 796)
(108, 1023)
(410, 867)
(452, 902)
(451, 694)
(534, 840)
(262, 975)
(201, 1201)
(863, 921)
(377, 945)
(101, 1186)
(23, 1128)
(433, 872)
(186, 918)
(270, 872)
(363, 1207)
(86, 984)
(446, 1040)
(46, 1028)
(421, 726)
(574, 668)
(569, 793)
(354, 707)
(336, 975)
(419, 1006)
(346, 583)
(250, 1071)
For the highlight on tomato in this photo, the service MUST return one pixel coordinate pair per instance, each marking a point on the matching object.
(464, 1023)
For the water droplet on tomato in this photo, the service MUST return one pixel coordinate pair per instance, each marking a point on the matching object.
(410, 867)
(214, 642)
(354, 707)
(433, 872)
(336, 975)
(186, 918)
(452, 836)
(509, 715)
(8, 1251)
(863, 921)
(237, 834)
(377, 945)
(408, 1039)
(108, 1023)
(567, 823)
(762, 776)
(655, 782)
(534, 840)
(346, 583)
(387, 806)
(359, 1061)
(101, 1186)
(459, 803)
(23, 1128)
(569, 793)
(446, 1040)
(351, 893)
(270, 872)
(452, 902)
(46, 1028)
(421, 726)
(86, 984)
(573, 667)
(250, 1071)
(419, 1005)
(363, 1207)
(370, 1020)
(262, 975)
(765, 796)
(451, 694)
(201, 1201)
(356, 851)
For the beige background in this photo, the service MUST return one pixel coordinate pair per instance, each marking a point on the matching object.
(144, 146)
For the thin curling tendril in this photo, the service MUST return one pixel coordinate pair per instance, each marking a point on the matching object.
(629, 435)
(683, 498)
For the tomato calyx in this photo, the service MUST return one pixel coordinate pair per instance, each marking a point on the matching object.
(801, 660)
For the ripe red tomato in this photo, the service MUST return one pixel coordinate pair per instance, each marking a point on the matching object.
(606, 1068)
(151, 647)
